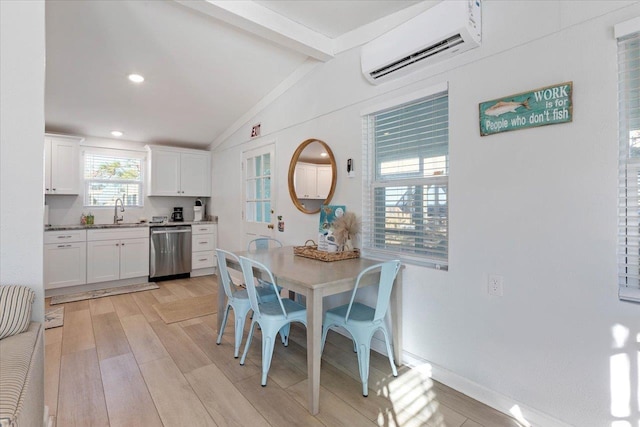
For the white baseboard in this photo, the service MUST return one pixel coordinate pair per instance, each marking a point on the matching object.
(527, 416)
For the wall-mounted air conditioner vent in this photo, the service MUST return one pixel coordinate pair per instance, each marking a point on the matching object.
(441, 32)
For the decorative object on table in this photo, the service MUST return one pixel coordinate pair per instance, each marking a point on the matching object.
(345, 230)
(54, 317)
(545, 106)
(328, 214)
(310, 250)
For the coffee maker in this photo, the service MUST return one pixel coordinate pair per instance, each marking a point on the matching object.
(198, 211)
(177, 216)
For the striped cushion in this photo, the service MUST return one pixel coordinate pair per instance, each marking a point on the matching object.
(15, 309)
(18, 356)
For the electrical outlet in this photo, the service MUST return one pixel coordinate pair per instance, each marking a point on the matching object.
(494, 285)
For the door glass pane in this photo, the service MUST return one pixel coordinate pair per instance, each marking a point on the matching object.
(267, 164)
(258, 191)
(250, 167)
(267, 188)
(259, 188)
(251, 211)
(258, 166)
(259, 216)
(251, 189)
(267, 211)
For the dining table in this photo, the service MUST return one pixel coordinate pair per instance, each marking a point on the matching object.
(316, 279)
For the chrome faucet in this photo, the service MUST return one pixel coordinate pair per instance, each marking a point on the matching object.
(116, 218)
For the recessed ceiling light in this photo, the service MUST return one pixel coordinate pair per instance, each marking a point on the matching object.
(116, 133)
(323, 154)
(136, 78)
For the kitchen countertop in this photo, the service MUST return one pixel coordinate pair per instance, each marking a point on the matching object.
(123, 225)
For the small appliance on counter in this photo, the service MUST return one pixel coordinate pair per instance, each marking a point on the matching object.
(158, 220)
(198, 211)
(177, 215)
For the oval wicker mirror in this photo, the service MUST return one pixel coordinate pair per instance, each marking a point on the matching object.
(312, 176)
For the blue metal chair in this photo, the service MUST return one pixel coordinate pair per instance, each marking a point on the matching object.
(362, 321)
(263, 243)
(272, 317)
(238, 299)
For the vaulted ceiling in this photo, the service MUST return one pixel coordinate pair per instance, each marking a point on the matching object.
(206, 63)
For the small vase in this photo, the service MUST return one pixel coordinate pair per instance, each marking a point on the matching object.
(348, 245)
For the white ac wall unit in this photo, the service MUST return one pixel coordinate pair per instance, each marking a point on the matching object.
(443, 31)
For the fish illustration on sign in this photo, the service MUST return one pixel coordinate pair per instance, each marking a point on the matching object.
(503, 107)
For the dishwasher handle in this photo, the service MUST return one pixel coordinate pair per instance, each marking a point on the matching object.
(171, 231)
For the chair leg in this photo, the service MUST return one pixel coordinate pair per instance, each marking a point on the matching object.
(224, 324)
(389, 352)
(325, 330)
(246, 346)
(268, 338)
(363, 365)
(284, 334)
(239, 329)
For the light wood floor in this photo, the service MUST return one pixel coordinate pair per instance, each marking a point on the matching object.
(116, 363)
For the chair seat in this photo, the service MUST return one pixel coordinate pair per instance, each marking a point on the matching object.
(262, 291)
(359, 313)
(272, 308)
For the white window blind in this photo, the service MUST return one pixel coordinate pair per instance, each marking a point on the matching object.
(113, 174)
(406, 154)
(629, 167)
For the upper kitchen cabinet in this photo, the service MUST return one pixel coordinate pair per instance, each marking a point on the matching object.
(179, 172)
(61, 165)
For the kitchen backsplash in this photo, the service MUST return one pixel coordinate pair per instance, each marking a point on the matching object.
(67, 210)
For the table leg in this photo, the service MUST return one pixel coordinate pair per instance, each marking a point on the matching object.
(396, 318)
(221, 304)
(314, 348)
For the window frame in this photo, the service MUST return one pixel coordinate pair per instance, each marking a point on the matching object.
(113, 152)
(372, 181)
(628, 246)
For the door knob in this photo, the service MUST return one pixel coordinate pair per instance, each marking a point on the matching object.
(270, 226)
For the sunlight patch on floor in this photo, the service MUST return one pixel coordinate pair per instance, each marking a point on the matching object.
(517, 414)
(413, 399)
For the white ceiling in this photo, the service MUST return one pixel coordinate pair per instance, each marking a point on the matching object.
(207, 63)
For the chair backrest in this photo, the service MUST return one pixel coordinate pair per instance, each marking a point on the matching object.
(223, 270)
(388, 272)
(249, 279)
(263, 243)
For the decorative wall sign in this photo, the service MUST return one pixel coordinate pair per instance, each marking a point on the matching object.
(545, 106)
(255, 131)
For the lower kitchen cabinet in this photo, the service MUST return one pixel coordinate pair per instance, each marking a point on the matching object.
(65, 259)
(203, 245)
(115, 255)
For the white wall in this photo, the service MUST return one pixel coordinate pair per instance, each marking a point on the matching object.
(66, 210)
(537, 206)
(22, 62)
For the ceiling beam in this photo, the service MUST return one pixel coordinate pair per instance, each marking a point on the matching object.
(263, 22)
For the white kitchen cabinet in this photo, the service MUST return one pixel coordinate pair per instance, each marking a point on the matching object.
(62, 165)
(203, 245)
(324, 175)
(313, 181)
(117, 254)
(179, 172)
(65, 258)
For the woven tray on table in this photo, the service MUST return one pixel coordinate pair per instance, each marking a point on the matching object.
(311, 251)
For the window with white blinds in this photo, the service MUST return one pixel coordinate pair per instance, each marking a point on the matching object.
(113, 174)
(406, 154)
(629, 166)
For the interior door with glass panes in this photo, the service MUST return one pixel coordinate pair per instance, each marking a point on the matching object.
(258, 192)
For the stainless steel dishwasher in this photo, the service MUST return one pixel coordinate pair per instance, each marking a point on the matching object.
(170, 251)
